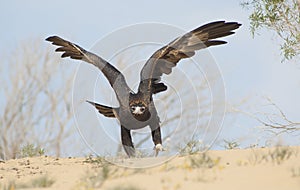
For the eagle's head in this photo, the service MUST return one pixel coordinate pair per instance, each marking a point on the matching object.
(138, 108)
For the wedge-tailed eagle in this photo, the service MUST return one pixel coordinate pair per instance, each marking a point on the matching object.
(137, 110)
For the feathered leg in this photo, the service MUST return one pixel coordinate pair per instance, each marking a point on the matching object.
(156, 137)
(127, 142)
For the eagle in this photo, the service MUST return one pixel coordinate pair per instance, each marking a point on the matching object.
(137, 110)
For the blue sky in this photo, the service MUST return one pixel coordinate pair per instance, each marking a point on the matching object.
(250, 67)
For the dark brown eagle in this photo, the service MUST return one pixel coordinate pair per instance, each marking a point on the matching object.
(137, 110)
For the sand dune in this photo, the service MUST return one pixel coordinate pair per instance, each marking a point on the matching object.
(263, 168)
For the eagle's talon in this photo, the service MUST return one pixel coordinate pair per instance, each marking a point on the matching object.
(158, 148)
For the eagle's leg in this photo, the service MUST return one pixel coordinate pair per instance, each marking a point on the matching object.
(127, 142)
(156, 137)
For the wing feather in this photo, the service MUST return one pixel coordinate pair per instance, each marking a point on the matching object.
(164, 59)
(113, 75)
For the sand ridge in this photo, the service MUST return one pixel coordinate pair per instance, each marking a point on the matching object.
(259, 168)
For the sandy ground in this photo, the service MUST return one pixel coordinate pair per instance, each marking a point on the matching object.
(247, 169)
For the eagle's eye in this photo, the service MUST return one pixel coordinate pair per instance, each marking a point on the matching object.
(142, 109)
(132, 108)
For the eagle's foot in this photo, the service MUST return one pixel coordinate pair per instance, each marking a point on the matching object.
(158, 148)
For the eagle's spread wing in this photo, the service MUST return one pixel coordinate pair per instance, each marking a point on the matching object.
(114, 76)
(164, 59)
(104, 110)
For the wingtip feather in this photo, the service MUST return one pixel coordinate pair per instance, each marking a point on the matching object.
(51, 38)
(90, 102)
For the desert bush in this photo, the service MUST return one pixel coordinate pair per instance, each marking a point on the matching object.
(203, 160)
(229, 145)
(191, 147)
(31, 151)
(276, 155)
(43, 181)
(40, 182)
(95, 179)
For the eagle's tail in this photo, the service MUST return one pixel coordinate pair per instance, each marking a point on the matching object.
(104, 110)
